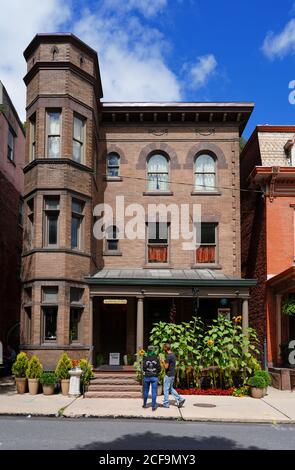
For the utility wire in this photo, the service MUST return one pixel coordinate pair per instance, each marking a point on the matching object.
(189, 184)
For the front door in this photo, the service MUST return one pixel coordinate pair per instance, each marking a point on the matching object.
(113, 329)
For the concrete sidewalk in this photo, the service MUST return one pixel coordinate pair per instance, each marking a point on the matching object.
(276, 407)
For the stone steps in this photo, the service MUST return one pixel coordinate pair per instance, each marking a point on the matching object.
(114, 384)
(114, 387)
(118, 394)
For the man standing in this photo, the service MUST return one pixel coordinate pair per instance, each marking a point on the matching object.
(170, 363)
(151, 368)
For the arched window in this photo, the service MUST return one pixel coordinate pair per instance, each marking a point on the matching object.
(205, 173)
(113, 164)
(112, 238)
(157, 173)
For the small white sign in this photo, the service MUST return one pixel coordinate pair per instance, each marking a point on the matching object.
(114, 359)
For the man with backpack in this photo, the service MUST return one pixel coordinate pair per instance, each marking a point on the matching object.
(151, 368)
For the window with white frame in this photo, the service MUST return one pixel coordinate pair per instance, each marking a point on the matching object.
(51, 221)
(113, 165)
(33, 137)
(53, 127)
(112, 240)
(10, 144)
(157, 173)
(205, 173)
(157, 242)
(78, 139)
(76, 224)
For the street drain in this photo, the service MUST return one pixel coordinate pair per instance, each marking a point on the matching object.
(205, 405)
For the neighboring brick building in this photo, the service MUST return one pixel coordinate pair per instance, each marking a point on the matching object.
(268, 231)
(12, 156)
(81, 293)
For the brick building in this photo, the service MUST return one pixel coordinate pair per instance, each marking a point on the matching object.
(267, 221)
(12, 156)
(90, 296)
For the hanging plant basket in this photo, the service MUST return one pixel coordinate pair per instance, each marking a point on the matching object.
(288, 307)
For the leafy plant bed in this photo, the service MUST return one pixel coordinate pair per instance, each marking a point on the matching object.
(209, 391)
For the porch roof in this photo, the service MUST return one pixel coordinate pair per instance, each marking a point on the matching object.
(283, 282)
(173, 277)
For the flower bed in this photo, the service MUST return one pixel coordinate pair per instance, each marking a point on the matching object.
(209, 391)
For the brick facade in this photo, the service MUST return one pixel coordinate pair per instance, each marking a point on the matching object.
(267, 222)
(63, 74)
(11, 191)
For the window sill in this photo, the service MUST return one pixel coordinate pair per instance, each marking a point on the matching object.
(157, 193)
(112, 253)
(206, 266)
(206, 193)
(112, 178)
(157, 266)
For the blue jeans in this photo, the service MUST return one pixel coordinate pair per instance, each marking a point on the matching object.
(168, 388)
(146, 386)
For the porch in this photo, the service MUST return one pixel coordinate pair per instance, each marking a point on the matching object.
(126, 303)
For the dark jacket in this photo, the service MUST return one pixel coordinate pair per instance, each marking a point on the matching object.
(151, 366)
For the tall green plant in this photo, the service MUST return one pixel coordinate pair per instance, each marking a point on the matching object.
(87, 372)
(186, 342)
(63, 366)
(35, 368)
(228, 351)
(20, 365)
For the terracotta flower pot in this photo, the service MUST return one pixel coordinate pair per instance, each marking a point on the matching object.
(48, 389)
(21, 384)
(33, 386)
(159, 390)
(256, 392)
(65, 385)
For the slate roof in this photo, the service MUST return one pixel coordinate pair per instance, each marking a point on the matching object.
(166, 276)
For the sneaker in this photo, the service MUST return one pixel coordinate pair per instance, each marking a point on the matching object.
(144, 406)
(154, 409)
(181, 403)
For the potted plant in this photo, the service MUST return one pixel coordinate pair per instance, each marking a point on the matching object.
(48, 380)
(87, 373)
(33, 374)
(130, 359)
(257, 384)
(266, 376)
(18, 369)
(62, 372)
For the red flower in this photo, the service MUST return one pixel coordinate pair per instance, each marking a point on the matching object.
(209, 391)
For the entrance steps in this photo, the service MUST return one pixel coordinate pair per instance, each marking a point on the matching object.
(112, 383)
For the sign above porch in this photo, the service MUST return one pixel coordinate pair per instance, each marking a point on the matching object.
(115, 301)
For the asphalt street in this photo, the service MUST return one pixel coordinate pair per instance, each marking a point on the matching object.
(129, 434)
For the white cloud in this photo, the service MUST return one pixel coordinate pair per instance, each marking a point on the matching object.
(19, 22)
(132, 51)
(280, 44)
(202, 70)
(131, 56)
(147, 8)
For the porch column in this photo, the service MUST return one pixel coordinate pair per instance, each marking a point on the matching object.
(245, 316)
(139, 324)
(278, 324)
(91, 330)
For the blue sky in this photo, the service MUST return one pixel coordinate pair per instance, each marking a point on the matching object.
(152, 50)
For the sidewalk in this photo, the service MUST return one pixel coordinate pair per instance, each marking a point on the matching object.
(276, 407)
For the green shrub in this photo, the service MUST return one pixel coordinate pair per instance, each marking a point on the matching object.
(87, 372)
(48, 378)
(99, 359)
(257, 381)
(130, 359)
(63, 366)
(265, 375)
(35, 368)
(20, 365)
